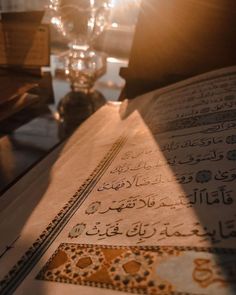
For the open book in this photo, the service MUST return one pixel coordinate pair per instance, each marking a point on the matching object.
(140, 200)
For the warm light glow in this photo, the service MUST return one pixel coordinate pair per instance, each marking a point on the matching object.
(124, 13)
(114, 25)
(113, 60)
(56, 116)
(133, 2)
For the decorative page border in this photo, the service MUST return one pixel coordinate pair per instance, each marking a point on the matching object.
(132, 268)
(26, 263)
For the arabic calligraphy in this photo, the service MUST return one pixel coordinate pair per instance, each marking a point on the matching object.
(196, 142)
(226, 176)
(203, 98)
(198, 197)
(141, 231)
(209, 109)
(210, 92)
(191, 159)
(218, 127)
(231, 139)
(138, 229)
(222, 231)
(140, 180)
(173, 145)
(136, 202)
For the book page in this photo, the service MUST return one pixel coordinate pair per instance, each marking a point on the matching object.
(153, 212)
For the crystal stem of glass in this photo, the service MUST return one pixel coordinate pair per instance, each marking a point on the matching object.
(81, 22)
(83, 66)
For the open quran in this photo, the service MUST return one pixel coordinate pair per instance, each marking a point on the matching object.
(141, 199)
